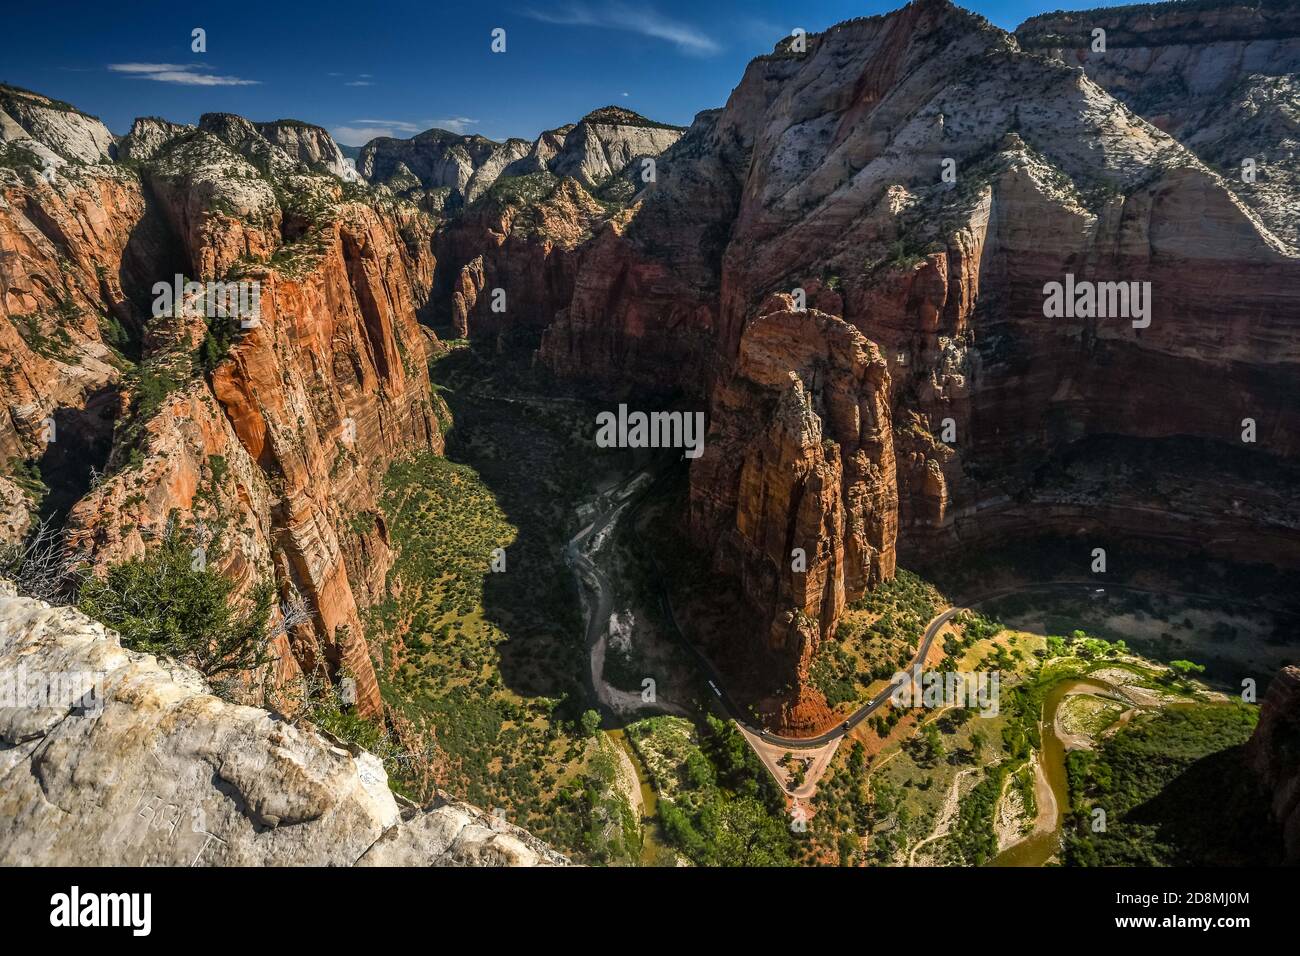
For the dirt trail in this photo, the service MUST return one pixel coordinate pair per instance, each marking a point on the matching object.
(947, 813)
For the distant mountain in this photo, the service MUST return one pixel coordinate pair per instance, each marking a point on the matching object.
(458, 169)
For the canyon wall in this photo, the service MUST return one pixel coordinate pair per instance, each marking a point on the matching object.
(275, 437)
(846, 265)
(921, 177)
(1273, 752)
(1219, 78)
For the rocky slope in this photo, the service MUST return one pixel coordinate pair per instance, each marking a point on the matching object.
(274, 436)
(437, 167)
(824, 173)
(605, 141)
(151, 769)
(310, 145)
(55, 132)
(75, 246)
(1274, 754)
(445, 169)
(1219, 77)
(526, 237)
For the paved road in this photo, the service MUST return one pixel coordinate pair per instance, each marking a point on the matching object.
(714, 679)
(866, 710)
(932, 631)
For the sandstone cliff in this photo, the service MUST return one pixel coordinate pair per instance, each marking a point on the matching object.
(436, 163)
(796, 494)
(56, 132)
(437, 160)
(1274, 753)
(310, 145)
(276, 435)
(152, 770)
(605, 141)
(825, 173)
(1221, 78)
(845, 265)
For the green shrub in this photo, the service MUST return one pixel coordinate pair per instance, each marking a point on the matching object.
(169, 604)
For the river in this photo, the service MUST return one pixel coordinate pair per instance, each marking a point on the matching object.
(653, 850)
(1039, 847)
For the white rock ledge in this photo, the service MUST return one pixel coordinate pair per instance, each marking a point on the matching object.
(163, 773)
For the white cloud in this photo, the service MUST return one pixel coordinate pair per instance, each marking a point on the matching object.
(361, 131)
(642, 20)
(402, 126)
(185, 74)
(358, 83)
(147, 67)
(455, 124)
(360, 135)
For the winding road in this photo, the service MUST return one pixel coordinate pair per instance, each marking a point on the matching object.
(627, 495)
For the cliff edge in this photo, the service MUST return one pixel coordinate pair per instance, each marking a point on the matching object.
(109, 757)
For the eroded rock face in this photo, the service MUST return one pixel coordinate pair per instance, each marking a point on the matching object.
(824, 173)
(529, 251)
(605, 141)
(439, 160)
(280, 443)
(795, 492)
(1274, 754)
(148, 136)
(1220, 80)
(288, 438)
(310, 145)
(73, 246)
(54, 131)
(152, 770)
(591, 151)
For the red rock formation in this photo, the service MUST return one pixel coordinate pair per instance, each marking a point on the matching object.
(1273, 752)
(526, 249)
(282, 447)
(918, 178)
(795, 492)
(824, 174)
(65, 247)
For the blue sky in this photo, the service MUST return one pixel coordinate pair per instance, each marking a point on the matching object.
(364, 69)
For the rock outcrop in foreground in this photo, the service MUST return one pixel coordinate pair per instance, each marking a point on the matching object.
(155, 770)
(1274, 754)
